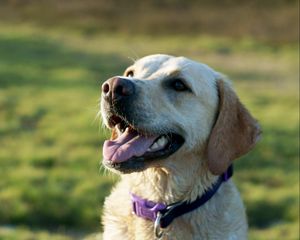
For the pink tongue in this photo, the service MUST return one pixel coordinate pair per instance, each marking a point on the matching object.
(127, 145)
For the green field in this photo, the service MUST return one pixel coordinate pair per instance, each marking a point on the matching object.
(52, 185)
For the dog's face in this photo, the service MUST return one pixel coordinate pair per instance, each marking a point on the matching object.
(163, 106)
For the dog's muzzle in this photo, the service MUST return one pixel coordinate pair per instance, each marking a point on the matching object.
(135, 147)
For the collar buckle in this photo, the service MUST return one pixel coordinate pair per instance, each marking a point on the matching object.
(146, 209)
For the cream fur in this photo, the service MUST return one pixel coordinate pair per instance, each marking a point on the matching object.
(185, 174)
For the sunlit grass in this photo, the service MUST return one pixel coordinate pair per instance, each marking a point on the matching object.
(51, 142)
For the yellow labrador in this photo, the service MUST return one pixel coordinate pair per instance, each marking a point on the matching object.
(177, 125)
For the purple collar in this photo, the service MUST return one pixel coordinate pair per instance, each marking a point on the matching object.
(146, 209)
(167, 213)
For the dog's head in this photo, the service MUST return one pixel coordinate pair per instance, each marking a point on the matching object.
(165, 106)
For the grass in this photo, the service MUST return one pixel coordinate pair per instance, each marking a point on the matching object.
(51, 186)
(268, 20)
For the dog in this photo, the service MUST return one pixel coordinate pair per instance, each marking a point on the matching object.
(177, 125)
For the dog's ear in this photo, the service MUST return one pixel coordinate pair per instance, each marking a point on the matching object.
(235, 131)
(114, 134)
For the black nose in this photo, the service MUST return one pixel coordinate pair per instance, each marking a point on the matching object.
(116, 88)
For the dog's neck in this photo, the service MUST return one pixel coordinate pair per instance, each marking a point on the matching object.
(174, 182)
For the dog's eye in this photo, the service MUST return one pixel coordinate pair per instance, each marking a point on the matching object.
(179, 86)
(130, 74)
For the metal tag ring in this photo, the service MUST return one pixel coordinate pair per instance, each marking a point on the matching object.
(157, 229)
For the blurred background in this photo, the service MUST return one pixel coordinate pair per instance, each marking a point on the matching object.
(55, 54)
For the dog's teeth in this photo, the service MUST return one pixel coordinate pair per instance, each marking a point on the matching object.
(158, 144)
(154, 146)
(162, 141)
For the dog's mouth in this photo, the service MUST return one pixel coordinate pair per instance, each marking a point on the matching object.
(134, 149)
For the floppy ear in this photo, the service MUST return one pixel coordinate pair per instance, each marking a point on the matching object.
(235, 132)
